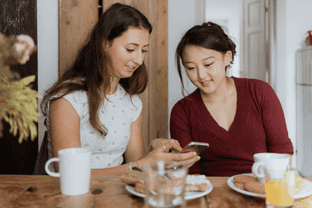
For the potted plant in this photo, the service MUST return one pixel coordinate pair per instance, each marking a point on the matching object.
(18, 102)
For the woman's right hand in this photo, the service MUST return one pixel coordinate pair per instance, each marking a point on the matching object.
(161, 153)
(159, 142)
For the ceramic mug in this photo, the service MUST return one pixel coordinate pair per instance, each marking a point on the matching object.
(276, 164)
(74, 170)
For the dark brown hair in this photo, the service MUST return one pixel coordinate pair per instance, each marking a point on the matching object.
(208, 35)
(89, 69)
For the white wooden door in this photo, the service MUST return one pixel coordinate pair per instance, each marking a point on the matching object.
(254, 50)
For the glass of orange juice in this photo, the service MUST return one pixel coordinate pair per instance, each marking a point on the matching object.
(280, 191)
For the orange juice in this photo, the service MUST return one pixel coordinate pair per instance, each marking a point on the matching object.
(279, 193)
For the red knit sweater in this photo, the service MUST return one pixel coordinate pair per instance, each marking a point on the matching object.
(259, 126)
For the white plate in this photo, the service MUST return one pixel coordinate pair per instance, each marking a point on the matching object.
(304, 193)
(188, 194)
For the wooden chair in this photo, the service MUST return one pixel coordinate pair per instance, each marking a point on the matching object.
(43, 157)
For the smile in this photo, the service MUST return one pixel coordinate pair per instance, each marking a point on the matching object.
(206, 83)
(131, 67)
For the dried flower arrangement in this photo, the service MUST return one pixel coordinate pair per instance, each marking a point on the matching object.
(18, 102)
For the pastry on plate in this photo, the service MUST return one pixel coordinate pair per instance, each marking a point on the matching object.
(196, 187)
(249, 183)
(244, 179)
(196, 183)
(239, 185)
(132, 177)
(254, 187)
(192, 182)
(300, 184)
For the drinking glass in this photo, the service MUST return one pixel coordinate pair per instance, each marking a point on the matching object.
(280, 191)
(165, 184)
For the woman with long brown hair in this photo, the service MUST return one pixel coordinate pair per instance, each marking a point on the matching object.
(95, 104)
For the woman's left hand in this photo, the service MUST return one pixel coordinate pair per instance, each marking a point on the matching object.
(162, 153)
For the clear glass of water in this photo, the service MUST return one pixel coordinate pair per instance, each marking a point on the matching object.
(165, 184)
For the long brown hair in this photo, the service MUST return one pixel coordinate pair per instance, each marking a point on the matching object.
(89, 69)
(208, 35)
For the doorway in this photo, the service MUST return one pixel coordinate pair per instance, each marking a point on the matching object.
(249, 23)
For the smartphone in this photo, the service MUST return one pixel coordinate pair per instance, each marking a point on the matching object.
(197, 147)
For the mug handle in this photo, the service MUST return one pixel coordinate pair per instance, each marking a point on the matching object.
(47, 167)
(255, 169)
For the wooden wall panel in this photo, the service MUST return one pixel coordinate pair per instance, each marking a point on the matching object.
(162, 68)
(151, 91)
(76, 19)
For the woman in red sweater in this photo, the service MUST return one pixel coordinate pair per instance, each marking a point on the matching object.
(238, 117)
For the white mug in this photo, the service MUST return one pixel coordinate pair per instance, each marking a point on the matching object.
(74, 170)
(276, 164)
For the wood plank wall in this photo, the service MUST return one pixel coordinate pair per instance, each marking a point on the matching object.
(162, 68)
(76, 19)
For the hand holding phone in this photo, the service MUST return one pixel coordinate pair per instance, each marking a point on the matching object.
(197, 147)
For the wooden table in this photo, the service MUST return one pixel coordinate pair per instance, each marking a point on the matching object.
(109, 191)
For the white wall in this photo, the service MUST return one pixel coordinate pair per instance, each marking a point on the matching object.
(181, 17)
(47, 21)
(294, 20)
(227, 13)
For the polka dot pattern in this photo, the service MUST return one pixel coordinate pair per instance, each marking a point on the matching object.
(117, 116)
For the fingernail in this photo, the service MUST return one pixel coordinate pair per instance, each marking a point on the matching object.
(195, 153)
(198, 157)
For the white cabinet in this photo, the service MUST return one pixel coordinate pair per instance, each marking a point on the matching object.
(304, 111)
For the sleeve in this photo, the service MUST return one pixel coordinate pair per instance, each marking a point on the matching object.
(273, 120)
(180, 130)
(77, 100)
(137, 107)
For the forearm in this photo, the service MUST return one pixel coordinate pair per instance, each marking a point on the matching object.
(157, 154)
(118, 170)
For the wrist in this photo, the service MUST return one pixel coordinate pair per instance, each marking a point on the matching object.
(141, 163)
(137, 164)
